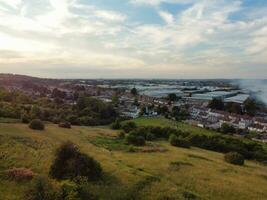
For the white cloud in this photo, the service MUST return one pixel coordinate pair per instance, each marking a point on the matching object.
(110, 16)
(200, 40)
(167, 17)
(158, 2)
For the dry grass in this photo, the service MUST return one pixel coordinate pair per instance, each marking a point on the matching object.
(20, 174)
(176, 173)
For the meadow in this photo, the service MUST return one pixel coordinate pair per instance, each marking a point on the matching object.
(163, 122)
(162, 172)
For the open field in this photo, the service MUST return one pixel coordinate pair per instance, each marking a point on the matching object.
(176, 173)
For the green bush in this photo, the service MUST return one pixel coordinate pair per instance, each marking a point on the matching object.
(75, 190)
(226, 129)
(234, 158)
(40, 189)
(179, 141)
(116, 125)
(71, 163)
(121, 135)
(129, 126)
(135, 140)
(36, 124)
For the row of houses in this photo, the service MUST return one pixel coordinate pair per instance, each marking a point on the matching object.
(214, 119)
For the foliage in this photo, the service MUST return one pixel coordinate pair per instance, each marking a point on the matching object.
(250, 107)
(70, 163)
(134, 91)
(234, 158)
(179, 141)
(216, 104)
(162, 110)
(129, 126)
(25, 119)
(116, 125)
(179, 113)
(234, 108)
(18, 106)
(134, 139)
(41, 189)
(99, 112)
(37, 124)
(226, 129)
(172, 97)
(214, 142)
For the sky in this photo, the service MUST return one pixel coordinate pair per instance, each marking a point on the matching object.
(134, 38)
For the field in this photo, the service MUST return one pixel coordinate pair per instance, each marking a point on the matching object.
(161, 121)
(174, 173)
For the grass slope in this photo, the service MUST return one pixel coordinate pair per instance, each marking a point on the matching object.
(175, 174)
(161, 121)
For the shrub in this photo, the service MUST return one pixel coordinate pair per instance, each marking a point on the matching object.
(20, 174)
(150, 136)
(131, 149)
(36, 124)
(75, 190)
(64, 125)
(227, 129)
(116, 125)
(179, 141)
(121, 135)
(40, 189)
(25, 119)
(135, 140)
(234, 158)
(71, 163)
(129, 126)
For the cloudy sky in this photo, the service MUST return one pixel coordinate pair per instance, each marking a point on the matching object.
(134, 38)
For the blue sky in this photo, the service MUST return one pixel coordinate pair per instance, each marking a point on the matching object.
(134, 38)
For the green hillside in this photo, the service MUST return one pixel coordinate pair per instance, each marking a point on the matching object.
(156, 171)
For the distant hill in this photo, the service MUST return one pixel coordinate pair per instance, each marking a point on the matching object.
(20, 80)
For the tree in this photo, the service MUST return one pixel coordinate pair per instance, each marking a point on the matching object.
(35, 112)
(250, 107)
(115, 99)
(56, 93)
(172, 97)
(162, 110)
(216, 104)
(134, 91)
(234, 108)
(226, 128)
(70, 163)
(179, 114)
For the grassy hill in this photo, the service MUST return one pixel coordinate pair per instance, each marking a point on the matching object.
(157, 171)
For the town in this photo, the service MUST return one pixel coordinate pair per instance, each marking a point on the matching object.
(219, 105)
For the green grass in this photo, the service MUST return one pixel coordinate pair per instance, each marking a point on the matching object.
(163, 122)
(9, 120)
(173, 174)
